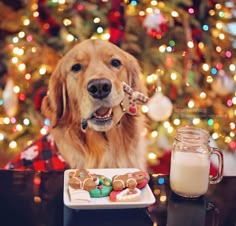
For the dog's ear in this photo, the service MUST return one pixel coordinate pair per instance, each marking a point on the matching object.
(54, 103)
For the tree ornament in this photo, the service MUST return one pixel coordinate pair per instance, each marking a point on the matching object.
(223, 84)
(117, 22)
(155, 24)
(10, 99)
(38, 97)
(159, 107)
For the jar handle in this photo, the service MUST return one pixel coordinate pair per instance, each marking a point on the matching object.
(216, 179)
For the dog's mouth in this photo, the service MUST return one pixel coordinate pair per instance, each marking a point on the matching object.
(102, 116)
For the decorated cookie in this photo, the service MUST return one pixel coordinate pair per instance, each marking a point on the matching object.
(103, 189)
(126, 195)
(79, 195)
(82, 179)
(130, 180)
(142, 178)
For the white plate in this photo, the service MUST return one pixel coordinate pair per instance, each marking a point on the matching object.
(104, 203)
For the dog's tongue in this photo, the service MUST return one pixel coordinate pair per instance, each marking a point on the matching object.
(102, 111)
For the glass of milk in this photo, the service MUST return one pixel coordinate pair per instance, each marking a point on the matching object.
(190, 163)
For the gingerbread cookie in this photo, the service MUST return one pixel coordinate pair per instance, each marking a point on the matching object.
(82, 179)
(103, 189)
(130, 180)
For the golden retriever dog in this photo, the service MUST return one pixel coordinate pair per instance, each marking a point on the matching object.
(89, 124)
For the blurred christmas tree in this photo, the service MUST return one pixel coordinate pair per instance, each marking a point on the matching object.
(186, 50)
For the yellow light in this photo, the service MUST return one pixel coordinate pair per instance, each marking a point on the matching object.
(154, 134)
(6, 120)
(43, 131)
(219, 25)
(218, 6)
(105, 36)
(42, 70)
(166, 124)
(14, 60)
(34, 6)
(218, 49)
(153, 2)
(163, 198)
(221, 36)
(12, 144)
(232, 134)
(16, 89)
(26, 22)
(70, 38)
(149, 10)
(67, 22)
(232, 125)
(27, 76)
(196, 121)
(2, 137)
(152, 156)
(34, 49)
(209, 79)
(212, 12)
(162, 48)
(21, 34)
(191, 104)
(201, 45)
(19, 127)
(62, 2)
(176, 122)
(215, 136)
(190, 44)
(35, 14)
(15, 40)
(170, 129)
(96, 20)
(234, 100)
(173, 76)
(21, 67)
(232, 67)
(228, 139)
(205, 67)
(144, 108)
(202, 95)
(174, 14)
(141, 13)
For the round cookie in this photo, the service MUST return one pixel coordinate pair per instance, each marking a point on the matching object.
(103, 189)
(126, 195)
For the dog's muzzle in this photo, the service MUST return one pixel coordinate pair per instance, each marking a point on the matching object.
(99, 88)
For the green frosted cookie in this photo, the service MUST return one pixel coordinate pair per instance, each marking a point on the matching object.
(103, 188)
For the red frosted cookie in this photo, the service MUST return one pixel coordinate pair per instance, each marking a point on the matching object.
(126, 195)
(142, 178)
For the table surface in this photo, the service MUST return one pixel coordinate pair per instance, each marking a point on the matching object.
(36, 199)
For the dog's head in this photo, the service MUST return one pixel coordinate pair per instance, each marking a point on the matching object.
(87, 84)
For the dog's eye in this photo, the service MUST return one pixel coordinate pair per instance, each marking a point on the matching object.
(76, 67)
(115, 63)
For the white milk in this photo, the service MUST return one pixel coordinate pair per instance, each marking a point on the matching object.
(189, 173)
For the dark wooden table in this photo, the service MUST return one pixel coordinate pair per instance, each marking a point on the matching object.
(36, 199)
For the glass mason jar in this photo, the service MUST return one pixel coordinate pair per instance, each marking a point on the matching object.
(190, 162)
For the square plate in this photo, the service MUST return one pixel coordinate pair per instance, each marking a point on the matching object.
(104, 203)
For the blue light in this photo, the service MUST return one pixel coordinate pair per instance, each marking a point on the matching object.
(1, 102)
(161, 180)
(205, 27)
(214, 71)
(133, 2)
(47, 122)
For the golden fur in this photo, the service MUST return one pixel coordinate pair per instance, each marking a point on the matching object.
(117, 145)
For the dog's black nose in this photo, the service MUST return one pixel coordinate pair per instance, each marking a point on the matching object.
(99, 88)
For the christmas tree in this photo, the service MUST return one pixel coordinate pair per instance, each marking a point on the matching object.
(186, 50)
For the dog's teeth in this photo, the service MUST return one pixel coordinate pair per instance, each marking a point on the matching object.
(98, 114)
